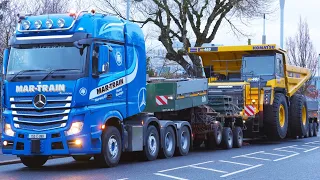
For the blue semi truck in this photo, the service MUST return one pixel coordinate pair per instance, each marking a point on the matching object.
(75, 85)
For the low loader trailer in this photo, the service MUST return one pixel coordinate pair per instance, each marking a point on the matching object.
(263, 89)
(75, 85)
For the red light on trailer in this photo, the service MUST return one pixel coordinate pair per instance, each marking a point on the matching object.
(72, 12)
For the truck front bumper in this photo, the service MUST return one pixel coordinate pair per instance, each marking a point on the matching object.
(55, 143)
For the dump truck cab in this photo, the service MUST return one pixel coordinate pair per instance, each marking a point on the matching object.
(260, 83)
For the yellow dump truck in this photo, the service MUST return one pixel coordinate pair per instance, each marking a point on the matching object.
(263, 88)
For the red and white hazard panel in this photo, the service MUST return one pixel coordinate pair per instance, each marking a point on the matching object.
(161, 100)
(249, 110)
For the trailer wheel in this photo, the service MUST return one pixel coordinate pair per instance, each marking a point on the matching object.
(237, 137)
(184, 145)
(227, 138)
(307, 133)
(34, 161)
(214, 138)
(151, 149)
(81, 157)
(311, 130)
(169, 145)
(298, 115)
(315, 131)
(111, 148)
(276, 118)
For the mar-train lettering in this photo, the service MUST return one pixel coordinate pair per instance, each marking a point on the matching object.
(110, 86)
(41, 88)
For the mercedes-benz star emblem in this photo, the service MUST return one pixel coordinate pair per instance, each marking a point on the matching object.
(39, 101)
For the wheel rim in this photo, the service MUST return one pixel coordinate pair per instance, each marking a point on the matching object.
(282, 115)
(152, 144)
(169, 141)
(230, 138)
(304, 115)
(113, 146)
(184, 140)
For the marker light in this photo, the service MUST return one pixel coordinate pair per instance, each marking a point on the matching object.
(49, 23)
(72, 12)
(38, 24)
(61, 22)
(8, 130)
(76, 127)
(93, 11)
(26, 24)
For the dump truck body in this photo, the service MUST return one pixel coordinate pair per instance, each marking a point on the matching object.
(255, 76)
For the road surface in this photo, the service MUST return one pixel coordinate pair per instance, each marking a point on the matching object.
(291, 159)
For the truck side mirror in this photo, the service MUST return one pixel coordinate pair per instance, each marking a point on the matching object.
(5, 61)
(104, 56)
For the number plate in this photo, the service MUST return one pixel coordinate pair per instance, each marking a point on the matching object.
(37, 136)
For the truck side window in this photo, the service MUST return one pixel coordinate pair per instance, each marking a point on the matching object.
(279, 67)
(95, 58)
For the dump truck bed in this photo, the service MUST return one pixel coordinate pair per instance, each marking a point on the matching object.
(295, 76)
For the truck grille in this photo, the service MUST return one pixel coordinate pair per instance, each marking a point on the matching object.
(53, 115)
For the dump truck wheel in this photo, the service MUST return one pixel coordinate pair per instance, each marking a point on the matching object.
(298, 115)
(227, 138)
(34, 161)
(276, 118)
(184, 146)
(315, 131)
(237, 137)
(169, 141)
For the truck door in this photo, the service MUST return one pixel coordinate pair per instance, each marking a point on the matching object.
(279, 65)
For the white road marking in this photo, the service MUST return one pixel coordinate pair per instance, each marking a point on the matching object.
(231, 162)
(236, 172)
(250, 157)
(248, 154)
(313, 142)
(123, 179)
(173, 177)
(273, 154)
(311, 149)
(209, 169)
(298, 148)
(184, 166)
(309, 146)
(286, 157)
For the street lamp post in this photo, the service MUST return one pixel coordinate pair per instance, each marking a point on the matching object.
(282, 2)
(128, 8)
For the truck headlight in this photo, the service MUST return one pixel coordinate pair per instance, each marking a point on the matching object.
(75, 128)
(8, 130)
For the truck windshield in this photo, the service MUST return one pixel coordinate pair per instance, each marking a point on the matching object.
(258, 65)
(46, 58)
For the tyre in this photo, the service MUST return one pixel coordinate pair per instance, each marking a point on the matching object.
(307, 133)
(276, 118)
(169, 141)
(310, 129)
(184, 145)
(215, 138)
(298, 115)
(152, 146)
(227, 138)
(237, 137)
(81, 157)
(315, 130)
(34, 161)
(111, 148)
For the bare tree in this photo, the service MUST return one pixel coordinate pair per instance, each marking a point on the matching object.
(185, 18)
(301, 51)
(52, 6)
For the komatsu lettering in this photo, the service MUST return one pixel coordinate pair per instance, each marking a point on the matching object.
(110, 86)
(41, 88)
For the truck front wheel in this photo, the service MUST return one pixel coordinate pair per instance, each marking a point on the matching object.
(152, 146)
(111, 148)
(34, 161)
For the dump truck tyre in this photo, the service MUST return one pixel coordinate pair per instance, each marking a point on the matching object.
(315, 131)
(237, 137)
(227, 138)
(276, 118)
(299, 124)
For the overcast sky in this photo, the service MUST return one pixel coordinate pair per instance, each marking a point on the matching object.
(308, 9)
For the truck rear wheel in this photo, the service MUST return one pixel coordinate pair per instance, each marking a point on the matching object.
(276, 118)
(315, 131)
(151, 149)
(81, 157)
(169, 141)
(298, 115)
(227, 138)
(184, 145)
(237, 137)
(34, 161)
(111, 148)
(215, 138)
(310, 129)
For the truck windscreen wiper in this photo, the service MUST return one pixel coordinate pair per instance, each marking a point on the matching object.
(55, 70)
(23, 71)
